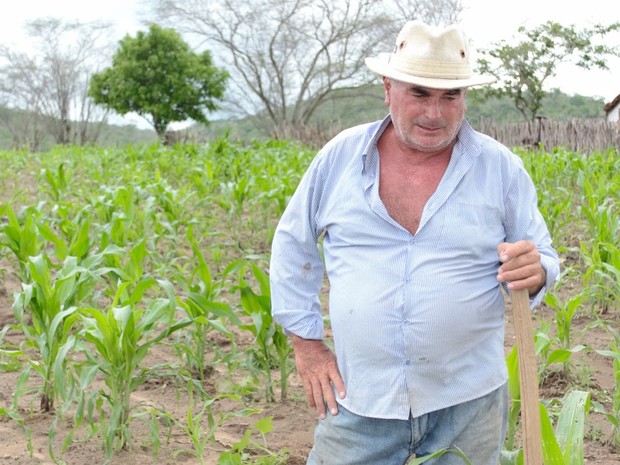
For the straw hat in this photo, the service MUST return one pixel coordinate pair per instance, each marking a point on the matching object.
(429, 57)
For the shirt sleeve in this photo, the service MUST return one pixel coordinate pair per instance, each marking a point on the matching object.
(296, 267)
(524, 221)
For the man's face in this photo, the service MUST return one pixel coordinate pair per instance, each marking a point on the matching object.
(425, 119)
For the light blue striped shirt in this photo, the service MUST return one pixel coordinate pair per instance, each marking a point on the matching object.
(417, 320)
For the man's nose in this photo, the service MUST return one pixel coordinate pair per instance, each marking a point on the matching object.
(433, 108)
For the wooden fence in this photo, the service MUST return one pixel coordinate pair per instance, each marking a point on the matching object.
(577, 135)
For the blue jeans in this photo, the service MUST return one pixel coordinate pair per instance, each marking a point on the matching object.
(477, 428)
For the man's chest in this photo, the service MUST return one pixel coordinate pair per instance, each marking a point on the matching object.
(405, 194)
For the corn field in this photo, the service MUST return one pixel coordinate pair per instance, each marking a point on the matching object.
(135, 319)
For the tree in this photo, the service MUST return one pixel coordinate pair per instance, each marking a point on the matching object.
(286, 57)
(522, 69)
(157, 76)
(49, 83)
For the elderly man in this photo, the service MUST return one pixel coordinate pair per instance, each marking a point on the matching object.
(422, 220)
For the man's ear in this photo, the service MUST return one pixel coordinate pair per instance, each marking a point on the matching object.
(387, 85)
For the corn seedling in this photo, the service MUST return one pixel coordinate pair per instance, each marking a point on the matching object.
(194, 426)
(73, 236)
(268, 335)
(56, 181)
(564, 446)
(562, 338)
(548, 354)
(51, 302)
(244, 451)
(202, 304)
(121, 336)
(613, 415)
(21, 236)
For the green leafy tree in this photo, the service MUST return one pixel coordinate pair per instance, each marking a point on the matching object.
(157, 75)
(523, 68)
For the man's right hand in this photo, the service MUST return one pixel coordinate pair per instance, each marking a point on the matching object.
(317, 367)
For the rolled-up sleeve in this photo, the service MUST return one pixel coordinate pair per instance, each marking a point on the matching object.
(296, 268)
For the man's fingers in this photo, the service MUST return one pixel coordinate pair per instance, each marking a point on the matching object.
(328, 396)
(317, 398)
(319, 393)
(509, 251)
(309, 394)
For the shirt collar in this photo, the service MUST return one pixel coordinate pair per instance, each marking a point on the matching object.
(370, 151)
(467, 142)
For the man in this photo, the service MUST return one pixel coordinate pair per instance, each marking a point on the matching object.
(422, 221)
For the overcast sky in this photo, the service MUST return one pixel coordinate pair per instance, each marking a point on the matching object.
(485, 21)
(488, 21)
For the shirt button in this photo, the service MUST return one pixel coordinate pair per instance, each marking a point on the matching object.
(408, 362)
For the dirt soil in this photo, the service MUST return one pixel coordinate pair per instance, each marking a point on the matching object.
(293, 422)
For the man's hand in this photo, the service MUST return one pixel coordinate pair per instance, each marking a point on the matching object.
(521, 267)
(316, 365)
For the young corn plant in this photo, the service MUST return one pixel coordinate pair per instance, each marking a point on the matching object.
(46, 310)
(202, 304)
(122, 336)
(602, 276)
(564, 446)
(194, 426)
(562, 339)
(245, 451)
(69, 236)
(268, 335)
(613, 414)
(56, 181)
(201, 422)
(603, 222)
(20, 234)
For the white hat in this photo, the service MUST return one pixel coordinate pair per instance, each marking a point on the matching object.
(429, 57)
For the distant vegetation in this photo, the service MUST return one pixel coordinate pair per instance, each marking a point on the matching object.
(347, 108)
(355, 106)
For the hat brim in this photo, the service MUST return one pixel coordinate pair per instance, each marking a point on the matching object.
(381, 66)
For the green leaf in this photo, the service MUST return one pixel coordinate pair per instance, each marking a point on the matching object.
(570, 430)
(264, 425)
(552, 454)
(439, 453)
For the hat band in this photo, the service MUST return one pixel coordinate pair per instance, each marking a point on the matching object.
(430, 69)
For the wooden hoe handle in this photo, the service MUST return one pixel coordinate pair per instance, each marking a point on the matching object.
(528, 379)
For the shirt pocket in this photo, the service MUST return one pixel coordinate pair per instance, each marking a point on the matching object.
(470, 229)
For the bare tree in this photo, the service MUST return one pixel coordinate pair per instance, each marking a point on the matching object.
(51, 82)
(19, 92)
(437, 12)
(286, 57)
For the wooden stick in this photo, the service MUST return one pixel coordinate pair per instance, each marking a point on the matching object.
(528, 378)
